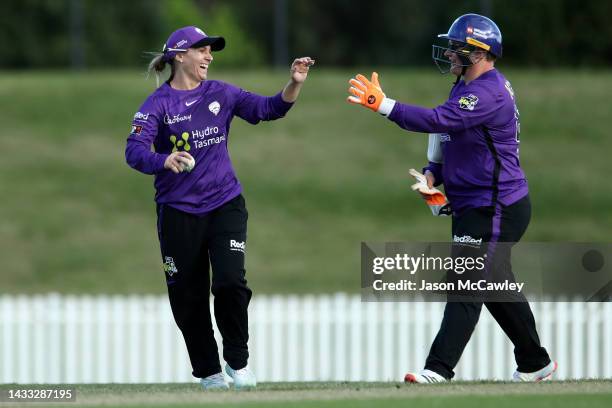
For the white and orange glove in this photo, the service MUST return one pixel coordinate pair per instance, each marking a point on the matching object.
(369, 94)
(435, 199)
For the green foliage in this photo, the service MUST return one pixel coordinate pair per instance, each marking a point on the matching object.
(114, 33)
(42, 42)
(179, 13)
(241, 50)
(400, 32)
(218, 20)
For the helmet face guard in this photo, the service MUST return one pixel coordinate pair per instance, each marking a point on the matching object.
(460, 49)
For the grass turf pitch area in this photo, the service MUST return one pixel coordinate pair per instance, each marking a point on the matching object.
(461, 394)
(76, 219)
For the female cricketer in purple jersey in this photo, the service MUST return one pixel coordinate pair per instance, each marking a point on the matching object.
(475, 155)
(202, 219)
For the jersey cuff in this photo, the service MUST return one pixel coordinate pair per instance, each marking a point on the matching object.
(160, 161)
(434, 148)
(279, 105)
(386, 106)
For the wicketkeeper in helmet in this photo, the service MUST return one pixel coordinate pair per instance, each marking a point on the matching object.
(474, 152)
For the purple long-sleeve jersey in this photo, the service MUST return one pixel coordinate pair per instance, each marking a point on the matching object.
(480, 145)
(196, 121)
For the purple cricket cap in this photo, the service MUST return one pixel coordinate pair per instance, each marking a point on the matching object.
(190, 37)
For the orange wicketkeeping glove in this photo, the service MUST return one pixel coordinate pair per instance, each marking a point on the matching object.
(369, 94)
(366, 93)
(435, 199)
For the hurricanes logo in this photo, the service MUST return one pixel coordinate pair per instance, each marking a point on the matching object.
(468, 102)
(371, 99)
(169, 266)
(181, 143)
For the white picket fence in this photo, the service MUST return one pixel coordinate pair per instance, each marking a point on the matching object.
(133, 339)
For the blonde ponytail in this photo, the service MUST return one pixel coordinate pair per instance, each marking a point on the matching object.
(157, 65)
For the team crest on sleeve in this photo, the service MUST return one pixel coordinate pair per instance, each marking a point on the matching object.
(468, 102)
(136, 129)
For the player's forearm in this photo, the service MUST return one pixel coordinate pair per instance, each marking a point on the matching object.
(436, 170)
(143, 159)
(435, 157)
(291, 91)
(254, 108)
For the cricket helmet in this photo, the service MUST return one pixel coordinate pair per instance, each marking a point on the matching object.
(468, 33)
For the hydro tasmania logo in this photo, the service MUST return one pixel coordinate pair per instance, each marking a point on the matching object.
(180, 144)
(239, 246)
(467, 240)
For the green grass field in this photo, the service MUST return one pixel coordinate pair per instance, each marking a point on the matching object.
(75, 218)
(591, 394)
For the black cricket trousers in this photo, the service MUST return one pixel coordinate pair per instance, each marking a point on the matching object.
(493, 225)
(190, 246)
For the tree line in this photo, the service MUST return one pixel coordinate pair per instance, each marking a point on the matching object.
(115, 33)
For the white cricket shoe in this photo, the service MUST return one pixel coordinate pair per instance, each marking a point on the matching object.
(214, 382)
(425, 377)
(243, 378)
(541, 375)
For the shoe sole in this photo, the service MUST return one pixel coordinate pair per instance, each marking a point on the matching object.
(215, 388)
(240, 387)
(411, 378)
(548, 376)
